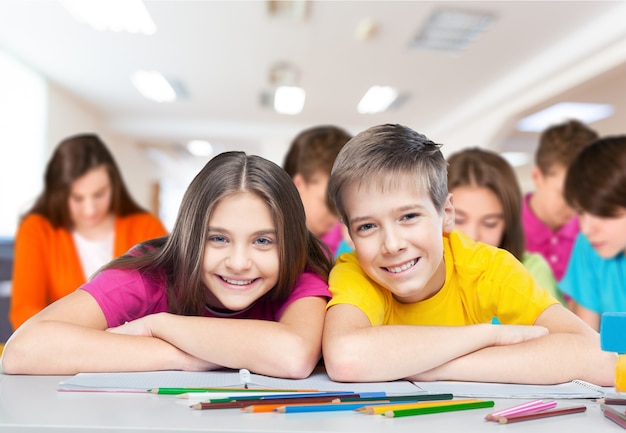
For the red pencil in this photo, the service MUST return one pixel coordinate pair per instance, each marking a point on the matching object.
(545, 414)
(615, 416)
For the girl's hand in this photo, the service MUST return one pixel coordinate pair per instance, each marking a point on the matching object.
(514, 334)
(140, 327)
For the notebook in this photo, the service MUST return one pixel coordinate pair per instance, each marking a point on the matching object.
(573, 389)
(142, 381)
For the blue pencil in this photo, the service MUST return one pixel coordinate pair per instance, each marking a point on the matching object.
(326, 407)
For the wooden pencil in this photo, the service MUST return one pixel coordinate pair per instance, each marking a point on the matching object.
(236, 403)
(438, 409)
(614, 415)
(615, 401)
(399, 397)
(377, 410)
(545, 414)
(531, 407)
(274, 406)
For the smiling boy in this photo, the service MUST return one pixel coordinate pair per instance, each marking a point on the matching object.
(411, 303)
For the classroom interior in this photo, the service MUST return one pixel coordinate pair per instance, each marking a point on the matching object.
(225, 61)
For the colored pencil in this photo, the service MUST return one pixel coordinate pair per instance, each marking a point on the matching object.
(233, 390)
(264, 407)
(377, 410)
(520, 409)
(240, 403)
(616, 401)
(617, 420)
(330, 407)
(438, 409)
(544, 414)
(615, 416)
(398, 397)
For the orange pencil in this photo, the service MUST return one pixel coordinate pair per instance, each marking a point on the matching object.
(377, 410)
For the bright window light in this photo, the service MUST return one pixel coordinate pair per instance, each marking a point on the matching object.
(563, 111)
(152, 85)
(200, 148)
(377, 99)
(289, 99)
(116, 15)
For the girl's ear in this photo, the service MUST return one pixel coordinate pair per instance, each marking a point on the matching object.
(448, 215)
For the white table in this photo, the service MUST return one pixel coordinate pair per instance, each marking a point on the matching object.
(33, 404)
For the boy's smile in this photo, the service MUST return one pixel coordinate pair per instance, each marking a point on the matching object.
(397, 233)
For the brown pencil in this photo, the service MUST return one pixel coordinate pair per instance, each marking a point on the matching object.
(616, 401)
(544, 414)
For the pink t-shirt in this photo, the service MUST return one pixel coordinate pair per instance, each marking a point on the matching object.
(333, 238)
(125, 295)
(554, 246)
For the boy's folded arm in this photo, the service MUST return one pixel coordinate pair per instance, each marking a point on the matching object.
(571, 351)
(355, 351)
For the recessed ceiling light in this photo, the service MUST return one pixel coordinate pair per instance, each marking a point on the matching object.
(154, 86)
(517, 159)
(289, 99)
(377, 99)
(563, 111)
(116, 15)
(200, 148)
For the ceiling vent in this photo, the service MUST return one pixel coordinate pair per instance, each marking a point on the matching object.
(452, 30)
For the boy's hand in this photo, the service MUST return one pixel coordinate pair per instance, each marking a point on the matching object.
(514, 334)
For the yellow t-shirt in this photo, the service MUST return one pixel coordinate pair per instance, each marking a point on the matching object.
(482, 282)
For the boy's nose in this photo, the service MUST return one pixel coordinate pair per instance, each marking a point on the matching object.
(392, 241)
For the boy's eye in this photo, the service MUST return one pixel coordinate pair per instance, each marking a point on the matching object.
(409, 216)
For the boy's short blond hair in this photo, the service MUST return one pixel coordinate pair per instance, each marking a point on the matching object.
(384, 155)
(559, 144)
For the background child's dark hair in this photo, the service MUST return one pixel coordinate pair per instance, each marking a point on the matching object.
(559, 144)
(179, 256)
(382, 154)
(596, 179)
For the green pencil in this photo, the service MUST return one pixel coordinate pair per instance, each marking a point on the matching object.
(438, 409)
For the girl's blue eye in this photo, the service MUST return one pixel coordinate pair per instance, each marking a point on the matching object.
(218, 239)
(263, 241)
(365, 227)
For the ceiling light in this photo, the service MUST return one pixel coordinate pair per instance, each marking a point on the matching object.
(289, 99)
(452, 30)
(517, 159)
(116, 15)
(200, 148)
(154, 86)
(563, 111)
(377, 99)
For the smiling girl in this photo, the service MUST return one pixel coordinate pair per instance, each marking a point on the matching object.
(239, 249)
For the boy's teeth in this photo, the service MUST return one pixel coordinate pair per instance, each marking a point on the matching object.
(237, 282)
(404, 267)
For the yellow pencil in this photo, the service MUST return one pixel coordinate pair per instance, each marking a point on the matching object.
(377, 410)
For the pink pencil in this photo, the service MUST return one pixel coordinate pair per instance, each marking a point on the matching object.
(520, 409)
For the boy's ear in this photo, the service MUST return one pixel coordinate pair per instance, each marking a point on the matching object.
(537, 176)
(298, 179)
(448, 214)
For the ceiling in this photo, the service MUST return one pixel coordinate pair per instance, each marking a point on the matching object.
(534, 54)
